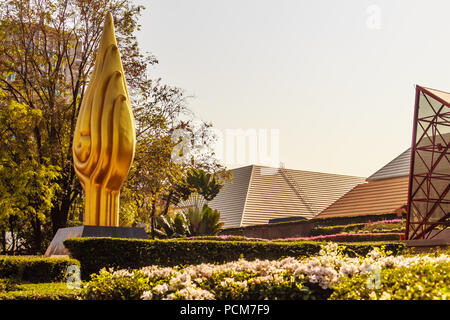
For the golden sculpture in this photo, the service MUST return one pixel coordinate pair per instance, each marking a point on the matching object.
(105, 138)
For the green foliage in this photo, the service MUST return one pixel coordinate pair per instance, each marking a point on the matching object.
(359, 228)
(35, 269)
(120, 285)
(41, 291)
(205, 184)
(204, 221)
(171, 226)
(27, 185)
(321, 230)
(287, 288)
(45, 67)
(104, 286)
(224, 238)
(385, 227)
(97, 253)
(194, 222)
(8, 285)
(420, 282)
(356, 237)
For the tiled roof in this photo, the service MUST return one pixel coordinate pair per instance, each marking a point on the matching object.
(399, 167)
(373, 197)
(260, 193)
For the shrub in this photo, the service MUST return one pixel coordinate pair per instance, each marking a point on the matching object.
(122, 286)
(7, 285)
(97, 253)
(352, 228)
(324, 222)
(349, 237)
(385, 226)
(41, 291)
(288, 278)
(224, 238)
(35, 269)
(427, 281)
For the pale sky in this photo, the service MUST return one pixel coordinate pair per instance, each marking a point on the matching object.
(336, 78)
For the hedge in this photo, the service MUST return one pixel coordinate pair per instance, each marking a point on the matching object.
(35, 269)
(351, 237)
(324, 222)
(96, 253)
(41, 291)
(320, 230)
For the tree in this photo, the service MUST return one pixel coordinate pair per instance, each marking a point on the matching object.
(158, 175)
(26, 186)
(47, 51)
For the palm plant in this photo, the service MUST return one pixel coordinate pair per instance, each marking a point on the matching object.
(203, 221)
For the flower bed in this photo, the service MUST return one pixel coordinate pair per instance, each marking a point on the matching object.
(289, 278)
(349, 237)
(96, 253)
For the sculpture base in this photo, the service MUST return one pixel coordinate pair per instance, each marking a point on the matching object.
(56, 247)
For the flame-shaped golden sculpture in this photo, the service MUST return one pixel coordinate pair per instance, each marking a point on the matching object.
(105, 138)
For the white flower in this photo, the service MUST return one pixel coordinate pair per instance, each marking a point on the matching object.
(161, 288)
(147, 295)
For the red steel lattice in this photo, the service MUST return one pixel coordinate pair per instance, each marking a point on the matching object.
(428, 212)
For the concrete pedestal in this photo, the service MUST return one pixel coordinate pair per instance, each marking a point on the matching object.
(56, 247)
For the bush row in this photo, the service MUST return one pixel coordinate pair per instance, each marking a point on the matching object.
(35, 269)
(96, 253)
(375, 276)
(40, 291)
(321, 231)
(418, 282)
(350, 237)
(396, 225)
(333, 221)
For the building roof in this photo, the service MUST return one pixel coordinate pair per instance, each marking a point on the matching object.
(398, 167)
(385, 191)
(260, 193)
(372, 197)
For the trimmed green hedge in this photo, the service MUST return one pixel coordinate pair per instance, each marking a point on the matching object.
(35, 269)
(376, 227)
(323, 222)
(322, 231)
(96, 253)
(355, 237)
(41, 291)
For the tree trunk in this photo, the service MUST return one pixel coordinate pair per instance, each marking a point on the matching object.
(3, 234)
(37, 235)
(152, 219)
(11, 229)
(169, 198)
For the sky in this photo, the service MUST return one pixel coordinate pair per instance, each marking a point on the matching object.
(335, 79)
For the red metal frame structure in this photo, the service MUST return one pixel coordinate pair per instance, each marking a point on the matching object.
(428, 212)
